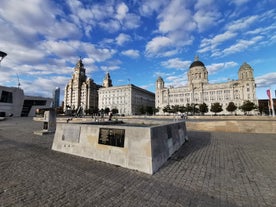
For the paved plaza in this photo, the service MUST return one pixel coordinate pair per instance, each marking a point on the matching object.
(212, 169)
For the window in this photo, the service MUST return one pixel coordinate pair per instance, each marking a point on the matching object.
(6, 97)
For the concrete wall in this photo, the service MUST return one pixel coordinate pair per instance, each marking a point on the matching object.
(240, 126)
(145, 149)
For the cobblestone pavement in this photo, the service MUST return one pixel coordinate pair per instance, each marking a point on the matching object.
(213, 169)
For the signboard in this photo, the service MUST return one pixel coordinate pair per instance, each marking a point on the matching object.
(113, 137)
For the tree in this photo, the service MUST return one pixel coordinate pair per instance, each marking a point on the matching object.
(247, 106)
(231, 107)
(203, 108)
(167, 109)
(195, 108)
(182, 109)
(175, 108)
(189, 108)
(216, 108)
(115, 111)
(106, 110)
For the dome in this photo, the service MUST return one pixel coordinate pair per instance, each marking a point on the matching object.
(197, 63)
(245, 66)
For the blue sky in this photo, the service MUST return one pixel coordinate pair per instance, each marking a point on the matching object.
(136, 41)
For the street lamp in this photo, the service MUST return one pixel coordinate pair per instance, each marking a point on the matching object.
(2, 55)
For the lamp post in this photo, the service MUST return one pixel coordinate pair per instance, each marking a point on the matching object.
(2, 55)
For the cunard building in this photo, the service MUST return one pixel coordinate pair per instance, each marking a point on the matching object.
(127, 99)
(199, 90)
(81, 90)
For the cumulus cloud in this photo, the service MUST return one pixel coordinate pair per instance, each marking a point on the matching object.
(131, 53)
(175, 25)
(122, 10)
(176, 80)
(266, 80)
(148, 7)
(206, 15)
(176, 63)
(214, 68)
(157, 44)
(122, 38)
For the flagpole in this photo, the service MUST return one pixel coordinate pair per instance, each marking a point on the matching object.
(269, 110)
(272, 105)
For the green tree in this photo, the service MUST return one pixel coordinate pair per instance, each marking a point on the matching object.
(247, 106)
(203, 108)
(182, 109)
(231, 107)
(195, 108)
(106, 110)
(189, 108)
(216, 108)
(167, 109)
(175, 108)
(114, 111)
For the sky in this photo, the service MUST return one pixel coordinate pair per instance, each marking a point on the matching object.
(135, 41)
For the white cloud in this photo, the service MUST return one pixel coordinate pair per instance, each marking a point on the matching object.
(148, 7)
(206, 15)
(131, 53)
(156, 44)
(212, 43)
(175, 17)
(174, 27)
(242, 23)
(176, 80)
(241, 45)
(266, 80)
(131, 21)
(41, 85)
(176, 63)
(122, 10)
(205, 19)
(110, 68)
(214, 68)
(122, 38)
(239, 2)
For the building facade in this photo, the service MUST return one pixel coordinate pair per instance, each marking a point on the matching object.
(81, 91)
(14, 102)
(127, 99)
(199, 90)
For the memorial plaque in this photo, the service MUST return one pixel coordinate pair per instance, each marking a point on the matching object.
(72, 134)
(113, 137)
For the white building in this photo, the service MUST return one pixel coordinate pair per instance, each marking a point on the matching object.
(127, 99)
(199, 90)
(81, 91)
(14, 102)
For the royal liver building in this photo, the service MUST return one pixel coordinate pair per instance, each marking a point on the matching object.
(199, 90)
(81, 90)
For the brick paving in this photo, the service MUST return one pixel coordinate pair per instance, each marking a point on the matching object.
(213, 169)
